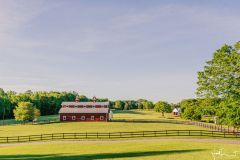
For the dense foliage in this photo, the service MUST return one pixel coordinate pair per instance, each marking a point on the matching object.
(218, 89)
(47, 102)
(163, 107)
(25, 111)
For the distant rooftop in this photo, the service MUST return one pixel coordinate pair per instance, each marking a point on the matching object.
(85, 103)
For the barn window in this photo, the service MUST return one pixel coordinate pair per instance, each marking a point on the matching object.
(64, 118)
(92, 118)
(82, 117)
(101, 117)
(73, 117)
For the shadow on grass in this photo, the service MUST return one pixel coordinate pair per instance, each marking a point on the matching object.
(96, 156)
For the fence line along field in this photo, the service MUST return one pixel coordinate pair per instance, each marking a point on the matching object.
(132, 121)
(119, 135)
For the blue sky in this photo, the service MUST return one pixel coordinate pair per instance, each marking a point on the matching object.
(116, 49)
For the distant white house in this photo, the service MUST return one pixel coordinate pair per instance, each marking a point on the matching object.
(176, 111)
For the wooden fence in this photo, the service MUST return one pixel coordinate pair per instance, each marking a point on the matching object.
(212, 126)
(118, 135)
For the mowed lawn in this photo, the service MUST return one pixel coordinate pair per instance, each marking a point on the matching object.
(72, 127)
(132, 150)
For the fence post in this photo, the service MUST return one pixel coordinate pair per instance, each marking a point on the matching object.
(18, 138)
(52, 136)
(41, 137)
(63, 136)
(224, 134)
(212, 133)
(189, 132)
(166, 133)
(109, 135)
(86, 135)
(97, 135)
(29, 138)
(155, 133)
(178, 132)
(7, 139)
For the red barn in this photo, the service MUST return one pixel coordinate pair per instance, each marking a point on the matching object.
(85, 111)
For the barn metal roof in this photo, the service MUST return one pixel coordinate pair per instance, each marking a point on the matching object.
(85, 103)
(84, 110)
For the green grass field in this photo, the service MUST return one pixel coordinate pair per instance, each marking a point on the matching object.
(136, 149)
(19, 130)
(133, 150)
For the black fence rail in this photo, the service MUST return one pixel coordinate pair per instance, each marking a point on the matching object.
(214, 127)
(118, 135)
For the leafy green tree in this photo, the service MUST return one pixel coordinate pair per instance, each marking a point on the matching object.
(162, 107)
(140, 105)
(190, 109)
(221, 79)
(228, 114)
(192, 113)
(221, 76)
(147, 105)
(119, 105)
(25, 111)
(126, 106)
(187, 102)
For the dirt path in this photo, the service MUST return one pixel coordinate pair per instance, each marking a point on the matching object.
(208, 140)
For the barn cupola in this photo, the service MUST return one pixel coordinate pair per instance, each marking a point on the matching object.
(77, 99)
(94, 99)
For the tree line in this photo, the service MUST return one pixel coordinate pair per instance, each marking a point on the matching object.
(49, 103)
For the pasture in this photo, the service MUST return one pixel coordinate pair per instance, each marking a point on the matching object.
(180, 148)
(167, 149)
(132, 121)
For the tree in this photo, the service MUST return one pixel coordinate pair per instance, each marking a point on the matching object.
(192, 113)
(119, 105)
(229, 114)
(140, 105)
(209, 107)
(187, 102)
(221, 79)
(148, 105)
(126, 106)
(221, 76)
(190, 109)
(25, 111)
(162, 107)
